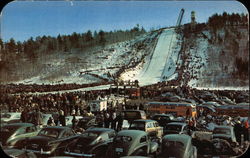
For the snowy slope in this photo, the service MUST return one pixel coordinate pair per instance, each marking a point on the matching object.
(162, 64)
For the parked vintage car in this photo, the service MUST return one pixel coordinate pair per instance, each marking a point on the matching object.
(10, 134)
(132, 143)
(178, 145)
(92, 143)
(150, 126)
(18, 153)
(176, 128)
(226, 133)
(50, 140)
(224, 141)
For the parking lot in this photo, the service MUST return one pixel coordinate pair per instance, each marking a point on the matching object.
(157, 125)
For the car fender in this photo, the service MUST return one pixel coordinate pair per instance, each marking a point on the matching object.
(153, 147)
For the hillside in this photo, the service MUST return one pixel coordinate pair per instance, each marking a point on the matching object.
(206, 56)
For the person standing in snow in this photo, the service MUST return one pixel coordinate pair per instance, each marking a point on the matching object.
(245, 130)
(106, 119)
(113, 120)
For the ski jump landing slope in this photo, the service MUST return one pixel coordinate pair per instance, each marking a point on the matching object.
(163, 61)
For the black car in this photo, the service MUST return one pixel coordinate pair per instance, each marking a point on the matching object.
(10, 134)
(92, 143)
(50, 140)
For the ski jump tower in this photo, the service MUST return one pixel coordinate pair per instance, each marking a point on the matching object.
(193, 22)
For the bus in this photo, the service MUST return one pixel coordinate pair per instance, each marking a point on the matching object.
(175, 108)
(233, 110)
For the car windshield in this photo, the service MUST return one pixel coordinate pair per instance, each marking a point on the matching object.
(138, 125)
(221, 131)
(173, 127)
(49, 133)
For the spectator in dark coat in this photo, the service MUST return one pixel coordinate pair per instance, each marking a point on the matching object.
(113, 120)
(238, 131)
(119, 120)
(61, 118)
(106, 119)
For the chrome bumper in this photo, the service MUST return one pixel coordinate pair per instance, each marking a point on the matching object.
(77, 154)
(39, 151)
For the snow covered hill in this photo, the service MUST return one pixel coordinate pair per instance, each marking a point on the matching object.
(161, 64)
(156, 56)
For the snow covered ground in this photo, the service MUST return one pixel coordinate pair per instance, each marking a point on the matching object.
(149, 58)
(161, 65)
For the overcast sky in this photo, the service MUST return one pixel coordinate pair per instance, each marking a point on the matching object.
(21, 20)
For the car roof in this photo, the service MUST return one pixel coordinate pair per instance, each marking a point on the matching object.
(131, 133)
(144, 120)
(99, 130)
(19, 124)
(178, 137)
(227, 127)
(57, 127)
(133, 111)
(163, 115)
(177, 123)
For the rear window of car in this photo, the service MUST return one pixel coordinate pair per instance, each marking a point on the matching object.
(174, 144)
(221, 131)
(123, 139)
(173, 127)
(137, 125)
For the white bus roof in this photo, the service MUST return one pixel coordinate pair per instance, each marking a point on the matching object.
(173, 103)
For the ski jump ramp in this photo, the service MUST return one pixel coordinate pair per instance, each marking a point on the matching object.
(163, 61)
